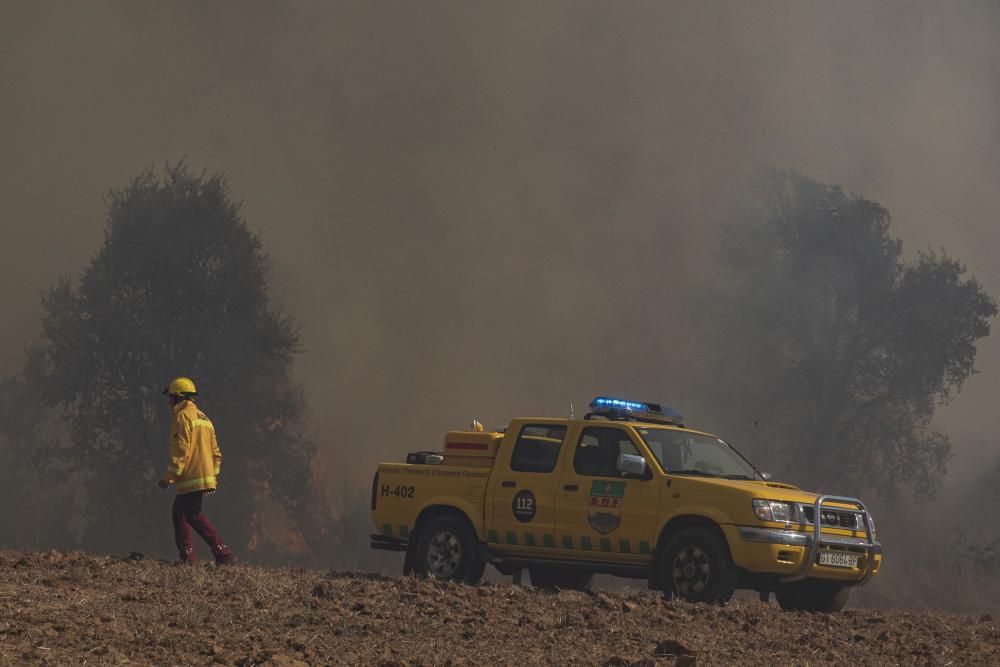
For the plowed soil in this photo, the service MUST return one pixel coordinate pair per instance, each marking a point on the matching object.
(84, 609)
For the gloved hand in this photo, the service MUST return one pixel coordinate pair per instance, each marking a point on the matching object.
(163, 484)
(210, 492)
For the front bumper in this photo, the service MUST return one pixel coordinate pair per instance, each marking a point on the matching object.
(785, 553)
(799, 538)
(794, 555)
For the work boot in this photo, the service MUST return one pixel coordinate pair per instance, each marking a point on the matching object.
(187, 557)
(226, 560)
(223, 554)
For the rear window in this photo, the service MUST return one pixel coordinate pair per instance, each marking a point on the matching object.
(537, 448)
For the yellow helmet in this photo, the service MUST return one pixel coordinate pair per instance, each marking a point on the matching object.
(180, 387)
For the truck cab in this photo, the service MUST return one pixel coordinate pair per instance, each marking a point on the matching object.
(628, 490)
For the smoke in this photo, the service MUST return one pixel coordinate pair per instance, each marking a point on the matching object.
(493, 209)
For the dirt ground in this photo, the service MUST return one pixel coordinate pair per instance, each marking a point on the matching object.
(82, 609)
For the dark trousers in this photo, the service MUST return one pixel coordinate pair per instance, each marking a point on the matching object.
(187, 515)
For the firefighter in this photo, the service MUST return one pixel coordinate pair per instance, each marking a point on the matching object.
(194, 466)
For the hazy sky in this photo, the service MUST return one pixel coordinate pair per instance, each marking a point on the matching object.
(492, 209)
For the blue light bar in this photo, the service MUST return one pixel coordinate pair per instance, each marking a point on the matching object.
(606, 402)
(620, 408)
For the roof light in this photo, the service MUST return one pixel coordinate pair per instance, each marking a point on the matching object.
(620, 408)
(605, 402)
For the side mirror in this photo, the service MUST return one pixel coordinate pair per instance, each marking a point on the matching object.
(632, 465)
(766, 476)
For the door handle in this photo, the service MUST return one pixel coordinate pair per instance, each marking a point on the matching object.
(508, 484)
(570, 487)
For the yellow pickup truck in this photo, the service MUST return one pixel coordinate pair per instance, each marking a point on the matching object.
(630, 491)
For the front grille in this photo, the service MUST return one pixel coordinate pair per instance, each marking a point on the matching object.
(832, 517)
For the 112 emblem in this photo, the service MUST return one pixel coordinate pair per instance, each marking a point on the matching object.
(524, 506)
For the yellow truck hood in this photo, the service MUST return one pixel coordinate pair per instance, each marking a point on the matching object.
(770, 490)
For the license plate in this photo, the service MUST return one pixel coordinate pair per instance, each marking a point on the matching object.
(838, 559)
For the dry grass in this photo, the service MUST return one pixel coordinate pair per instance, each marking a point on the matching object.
(81, 609)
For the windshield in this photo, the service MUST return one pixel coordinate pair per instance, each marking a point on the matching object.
(684, 453)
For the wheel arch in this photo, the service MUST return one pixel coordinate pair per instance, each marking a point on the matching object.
(684, 521)
(433, 511)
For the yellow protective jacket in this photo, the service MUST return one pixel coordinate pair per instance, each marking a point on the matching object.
(194, 452)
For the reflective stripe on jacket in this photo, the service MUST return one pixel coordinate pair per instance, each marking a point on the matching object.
(194, 452)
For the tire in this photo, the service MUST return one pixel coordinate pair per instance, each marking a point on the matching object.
(567, 579)
(447, 549)
(821, 596)
(695, 565)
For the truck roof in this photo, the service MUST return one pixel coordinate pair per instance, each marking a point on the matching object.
(628, 422)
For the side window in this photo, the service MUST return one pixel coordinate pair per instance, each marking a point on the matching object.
(598, 450)
(537, 448)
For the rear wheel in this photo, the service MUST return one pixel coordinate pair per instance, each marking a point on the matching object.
(552, 577)
(695, 565)
(447, 549)
(813, 596)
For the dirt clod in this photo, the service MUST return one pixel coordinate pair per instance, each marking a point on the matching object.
(671, 647)
(282, 660)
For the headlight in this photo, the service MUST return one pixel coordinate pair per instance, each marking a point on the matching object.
(774, 510)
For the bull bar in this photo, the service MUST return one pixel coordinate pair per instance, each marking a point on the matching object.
(817, 539)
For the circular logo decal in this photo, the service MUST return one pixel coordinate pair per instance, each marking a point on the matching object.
(524, 506)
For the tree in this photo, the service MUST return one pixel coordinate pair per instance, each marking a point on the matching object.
(177, 288)
(26, 433)
(837, 348)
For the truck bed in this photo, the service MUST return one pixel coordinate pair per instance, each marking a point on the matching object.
(401, 492)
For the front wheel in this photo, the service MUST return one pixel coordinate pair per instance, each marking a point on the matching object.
(813, 596)
(447, 549)
(695, 565)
